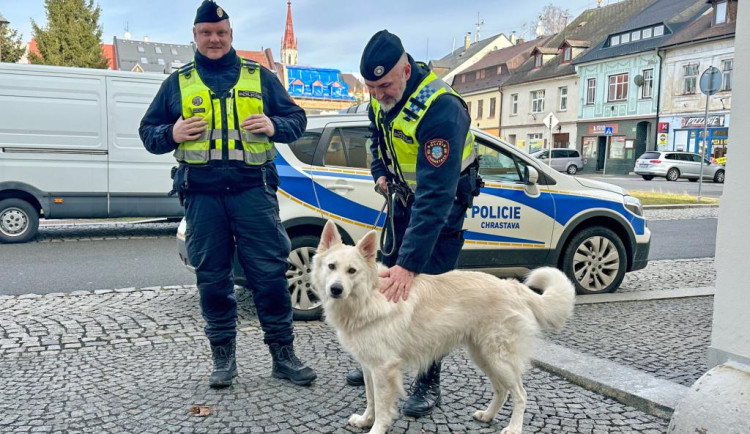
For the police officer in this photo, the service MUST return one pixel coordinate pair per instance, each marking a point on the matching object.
(423, 152)
(220, 114)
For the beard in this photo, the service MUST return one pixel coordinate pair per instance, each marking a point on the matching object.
(388, 106)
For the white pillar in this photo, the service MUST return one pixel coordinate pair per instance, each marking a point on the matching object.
(719, 402)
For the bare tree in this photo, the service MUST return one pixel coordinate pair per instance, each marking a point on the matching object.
(554, 19)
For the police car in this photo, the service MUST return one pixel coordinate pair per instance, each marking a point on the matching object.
(527, 215)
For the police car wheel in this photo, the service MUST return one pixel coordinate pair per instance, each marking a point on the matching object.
(306, 303)
(595, 261)
(19, 221)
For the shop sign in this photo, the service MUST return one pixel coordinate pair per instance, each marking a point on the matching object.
(663, 127)
(662, 138)
(600, 129)
(698, 121)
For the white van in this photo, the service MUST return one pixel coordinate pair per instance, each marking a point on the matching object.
(69, 148)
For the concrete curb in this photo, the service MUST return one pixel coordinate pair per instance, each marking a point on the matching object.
(627, 385)
(662, 294)
(682, 206)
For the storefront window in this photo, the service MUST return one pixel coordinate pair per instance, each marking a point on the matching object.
(588, 147)
(617, 147)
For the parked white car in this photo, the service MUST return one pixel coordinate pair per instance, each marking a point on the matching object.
(675, 165)
(527, 216)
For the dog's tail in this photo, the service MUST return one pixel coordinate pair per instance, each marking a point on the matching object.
(555, 305)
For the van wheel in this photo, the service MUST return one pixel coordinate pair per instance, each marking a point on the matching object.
(19, 221)
(307, 304)
(693, 179)
(595, 261)
(719, 176)
(673, 174)
(572, 169)
(647, 177)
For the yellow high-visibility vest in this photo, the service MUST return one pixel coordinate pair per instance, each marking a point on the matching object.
(245, 99)
(401, 133)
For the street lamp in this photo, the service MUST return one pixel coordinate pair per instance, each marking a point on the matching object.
(3, 22)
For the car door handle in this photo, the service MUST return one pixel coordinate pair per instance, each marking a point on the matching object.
(340, 187)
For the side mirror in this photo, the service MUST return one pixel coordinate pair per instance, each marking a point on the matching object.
(530, 176)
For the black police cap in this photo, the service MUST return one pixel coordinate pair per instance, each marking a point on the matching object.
(381, 54)
(210, 12)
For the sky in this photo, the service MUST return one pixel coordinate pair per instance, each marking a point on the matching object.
(330, 33)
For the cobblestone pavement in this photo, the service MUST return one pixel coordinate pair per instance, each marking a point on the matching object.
(134, 361)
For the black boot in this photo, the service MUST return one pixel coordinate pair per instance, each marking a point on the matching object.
(225, 366)
(425, 393)
(287, 365)
(355, 377)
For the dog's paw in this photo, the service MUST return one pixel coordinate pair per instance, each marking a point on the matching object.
(511, 430)
(483, 416)
(360, 421)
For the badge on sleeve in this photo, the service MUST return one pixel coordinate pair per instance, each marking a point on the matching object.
(436, 151)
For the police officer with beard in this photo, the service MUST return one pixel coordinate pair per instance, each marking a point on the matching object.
(424, 154)
(220, 114)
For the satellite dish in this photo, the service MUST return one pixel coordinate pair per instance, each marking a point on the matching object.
(638, 80)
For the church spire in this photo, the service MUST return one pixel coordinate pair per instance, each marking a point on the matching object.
(289, 43)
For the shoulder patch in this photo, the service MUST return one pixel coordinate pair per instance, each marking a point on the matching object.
(436, 151)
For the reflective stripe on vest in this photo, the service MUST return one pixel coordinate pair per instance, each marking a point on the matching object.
(401, 133)
(246, 97)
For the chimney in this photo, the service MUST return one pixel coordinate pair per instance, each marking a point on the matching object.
(145, 39)
(467, 41)
(513, 37)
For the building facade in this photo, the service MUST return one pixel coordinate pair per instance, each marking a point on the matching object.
(707, 42)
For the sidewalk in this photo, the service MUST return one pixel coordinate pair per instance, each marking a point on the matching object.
(135, 361)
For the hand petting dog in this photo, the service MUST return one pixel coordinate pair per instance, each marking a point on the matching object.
(397, 284)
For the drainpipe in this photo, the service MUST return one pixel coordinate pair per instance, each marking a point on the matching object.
(658, 101)
(500, 114)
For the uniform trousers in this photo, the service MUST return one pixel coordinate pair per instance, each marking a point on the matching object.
(248, 220)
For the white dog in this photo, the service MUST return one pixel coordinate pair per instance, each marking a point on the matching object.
(498, 320)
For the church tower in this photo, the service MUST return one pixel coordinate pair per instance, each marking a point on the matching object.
(289, 43)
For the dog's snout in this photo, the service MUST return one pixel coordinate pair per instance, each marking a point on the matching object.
(336, 290)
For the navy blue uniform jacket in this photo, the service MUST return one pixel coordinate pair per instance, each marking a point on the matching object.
(447, 119)
(221, 75)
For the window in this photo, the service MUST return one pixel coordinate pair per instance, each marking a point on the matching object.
(635, 36)
(157, 49)
(492, 108)
(590, 91)
(625, 38)
(614, 40)
(141, 49)
(567, 54)
(144, 60)
(499, 165)
(463, 78)
(499, 70)
(721, 13)
(536, 142)
(647, 88)
(304, 147)
(478, 75)
(658, 30)
(468, 107)
(538, 60)
(160, 61)
(618, 87)
(514, 104)
(563, 98)
(727, 66)
(349, 147)
(537, 101)
(480, 108)
(174, 51)
(690, 78)
(647, 33)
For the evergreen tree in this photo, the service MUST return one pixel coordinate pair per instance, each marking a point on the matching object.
(72, 36)
(11, 47)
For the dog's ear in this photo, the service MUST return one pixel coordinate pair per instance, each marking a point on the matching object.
(368, 245)
(329, 238)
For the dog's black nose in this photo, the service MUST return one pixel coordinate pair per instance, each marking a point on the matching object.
(336, 290)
